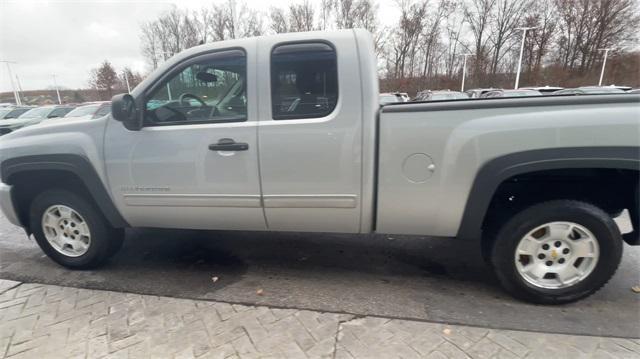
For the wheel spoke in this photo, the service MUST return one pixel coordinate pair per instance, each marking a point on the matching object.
(65, 212)
(50, 220)
(559, 231)
(566, 273)
(59, 241)
(536, 270)
(583, 248)
(78, 246)
(528, 246)
(83, 228)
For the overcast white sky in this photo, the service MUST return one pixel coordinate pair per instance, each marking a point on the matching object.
(69, 38)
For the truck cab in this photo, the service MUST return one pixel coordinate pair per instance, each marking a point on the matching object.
(262, 133)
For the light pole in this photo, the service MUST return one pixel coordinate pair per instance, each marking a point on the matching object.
(57, 90)
(604, 63)
(464, 70)
(13, 85)
(126, 79)
(524, 35)
(19, 89)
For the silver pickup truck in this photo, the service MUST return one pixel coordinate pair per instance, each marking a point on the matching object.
(285, 133)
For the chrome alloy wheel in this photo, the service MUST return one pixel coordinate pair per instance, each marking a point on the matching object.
(66, 231)
(557, 255)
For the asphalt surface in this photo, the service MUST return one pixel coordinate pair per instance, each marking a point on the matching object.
(429, 279)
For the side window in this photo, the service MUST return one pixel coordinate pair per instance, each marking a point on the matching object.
(304, 80)
(210, 88)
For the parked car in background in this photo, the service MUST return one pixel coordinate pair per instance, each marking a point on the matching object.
(440, 95)
(511, 93)
(389, 97)
(4, 111)
(34, 116)
(620, 87)
(87, 111)
(405, 96)
(589, 90)
(13, 112)
(545, 90)
(634, 91)
(477, 93)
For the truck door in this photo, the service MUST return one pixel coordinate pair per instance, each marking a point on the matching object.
(310, 134)
(194, 164)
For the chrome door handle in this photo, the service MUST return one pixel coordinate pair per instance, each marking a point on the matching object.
(228, 144)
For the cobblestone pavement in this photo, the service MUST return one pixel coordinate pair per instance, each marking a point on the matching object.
(45, 321)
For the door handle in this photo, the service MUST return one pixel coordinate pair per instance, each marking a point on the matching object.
(228, 144)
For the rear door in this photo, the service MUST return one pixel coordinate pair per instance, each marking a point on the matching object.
(310, 134)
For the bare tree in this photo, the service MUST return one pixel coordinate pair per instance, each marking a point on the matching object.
(301, 17)
(542, 18)
(218, 22)
(242, 21)
(343, 11)
(586, 26)
(477, 14)
(505, 19)
(173, 32)
(431, 36)
(326, 10)
(424, 47)
(407, 36)
(453, 44)
(355, 13)
(150, 46)
(279, 22)
(128, 75)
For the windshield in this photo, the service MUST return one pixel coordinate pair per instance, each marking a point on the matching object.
(83, 111)
(4, 111)
(15, 113)
(40, 112)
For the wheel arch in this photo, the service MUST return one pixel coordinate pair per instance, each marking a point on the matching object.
(498, 170)
(50, 170)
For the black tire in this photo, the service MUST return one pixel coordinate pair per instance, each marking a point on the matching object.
(105, 240)
(116, 240)
(591, 217)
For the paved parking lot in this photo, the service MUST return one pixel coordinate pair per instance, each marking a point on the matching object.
(425, 279)
(45, 321)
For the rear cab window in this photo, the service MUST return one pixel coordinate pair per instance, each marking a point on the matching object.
(304, 80)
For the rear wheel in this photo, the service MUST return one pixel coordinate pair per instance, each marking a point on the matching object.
(71, 231)
(557, 252)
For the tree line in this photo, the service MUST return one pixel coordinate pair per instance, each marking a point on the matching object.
(427, 45)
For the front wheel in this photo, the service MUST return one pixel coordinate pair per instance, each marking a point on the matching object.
(557, 252)
(71, 230)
